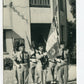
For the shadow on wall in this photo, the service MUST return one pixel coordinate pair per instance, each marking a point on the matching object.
(8, 36)
(12, 34)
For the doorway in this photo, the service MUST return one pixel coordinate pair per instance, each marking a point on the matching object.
(39, 34)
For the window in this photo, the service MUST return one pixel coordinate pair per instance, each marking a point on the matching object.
(40, 3)
(61, 5)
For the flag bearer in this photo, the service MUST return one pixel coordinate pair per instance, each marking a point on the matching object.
(53, 63)
(21, 60)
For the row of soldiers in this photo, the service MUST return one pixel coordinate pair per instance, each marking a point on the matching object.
(35, 67)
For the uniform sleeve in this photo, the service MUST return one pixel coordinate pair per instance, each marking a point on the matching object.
(60, 52)
(31, 52)
(39, 56)
(14, 56)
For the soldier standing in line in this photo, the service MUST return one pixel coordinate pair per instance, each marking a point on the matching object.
(45, 64)
(59, 58)
(51, 71)
(38, 70)
(61, 68)
(53, 64)
(33, 63)
(21, 61)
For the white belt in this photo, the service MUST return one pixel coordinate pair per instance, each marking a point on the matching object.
(33, 60)
(24, 64)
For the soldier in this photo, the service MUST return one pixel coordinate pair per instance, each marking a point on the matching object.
(21, 61)
(33, 63)
(45, 64)
(38, 70)
(53, 64)
(58, 59)
(51, 71)
(61, 68)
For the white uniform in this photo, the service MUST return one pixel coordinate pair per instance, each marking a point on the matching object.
(52, 69)
(32, 67)
(38, 73)
(61, 69)
(21, 59)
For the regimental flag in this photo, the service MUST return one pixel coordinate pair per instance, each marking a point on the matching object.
(52, 45)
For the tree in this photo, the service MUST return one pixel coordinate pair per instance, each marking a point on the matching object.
(72, 41)
(72, 33)
(73, 7)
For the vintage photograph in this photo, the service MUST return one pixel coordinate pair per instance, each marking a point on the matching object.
(39, 42)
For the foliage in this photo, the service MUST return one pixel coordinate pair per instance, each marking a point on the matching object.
(73, 7)
(8, 64)
(72, 40)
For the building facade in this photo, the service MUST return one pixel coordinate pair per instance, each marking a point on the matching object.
(30, 21)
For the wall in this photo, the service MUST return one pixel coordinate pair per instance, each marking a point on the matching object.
(19, 18)
(42, 14)
(6, 18)
(20, 27)
(37, 14)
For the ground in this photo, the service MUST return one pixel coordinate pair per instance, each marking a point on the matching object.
(10, 79)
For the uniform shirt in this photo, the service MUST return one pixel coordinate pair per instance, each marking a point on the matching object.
(21, 57)
(39, 55)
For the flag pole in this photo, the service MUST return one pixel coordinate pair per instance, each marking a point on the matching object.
(28, 29)
(28, 32)
(11, 23)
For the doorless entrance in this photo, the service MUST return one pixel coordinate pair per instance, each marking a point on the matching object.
(39, 33)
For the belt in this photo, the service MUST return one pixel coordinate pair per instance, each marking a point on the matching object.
(20, 62)
(33, 60)
(24, 63)
(52, 61)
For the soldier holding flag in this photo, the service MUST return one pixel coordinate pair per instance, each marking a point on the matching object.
(21, 61)
(52, 48)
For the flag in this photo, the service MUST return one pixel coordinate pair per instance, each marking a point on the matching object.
(52, 45)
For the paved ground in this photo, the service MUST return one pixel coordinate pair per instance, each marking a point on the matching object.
(10, 79)
(72, 72)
